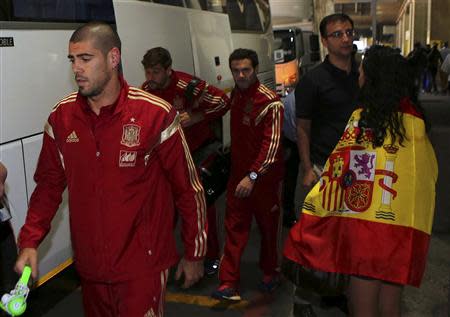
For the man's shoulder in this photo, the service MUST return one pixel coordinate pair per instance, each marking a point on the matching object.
(317, 72)
(182, 75)
(185, 77)
(265, 95)
(140, 98)
(65, 104)
(185, 80)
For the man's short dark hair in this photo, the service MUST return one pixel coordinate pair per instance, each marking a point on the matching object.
(103, 35)
(243, 53)
(155, 56)
(332, 18)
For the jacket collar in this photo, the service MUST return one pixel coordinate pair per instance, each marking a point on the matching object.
(335, 70)
(114, 108)
(250, 91)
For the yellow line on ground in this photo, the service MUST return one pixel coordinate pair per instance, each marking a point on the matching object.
(205, 301)
(54, 272)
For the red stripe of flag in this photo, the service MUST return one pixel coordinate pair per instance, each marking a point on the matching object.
(358, 247)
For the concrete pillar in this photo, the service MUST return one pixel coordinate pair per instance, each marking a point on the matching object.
(322, 8)
(428, 20)
(373, 10)
(421, 21)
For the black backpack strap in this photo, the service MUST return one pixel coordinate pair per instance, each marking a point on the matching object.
(189, 93)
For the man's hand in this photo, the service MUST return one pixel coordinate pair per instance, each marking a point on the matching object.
(27, 256)
(309, 178)
(244, 188)
(193, 272)
(190, 118)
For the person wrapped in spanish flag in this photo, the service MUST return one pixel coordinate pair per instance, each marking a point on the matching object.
(370, 215)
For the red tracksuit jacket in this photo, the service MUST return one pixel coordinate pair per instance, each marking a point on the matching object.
(209, 100)
(124, 170)
(256, 123)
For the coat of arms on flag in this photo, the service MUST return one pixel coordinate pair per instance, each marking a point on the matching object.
(349, 179)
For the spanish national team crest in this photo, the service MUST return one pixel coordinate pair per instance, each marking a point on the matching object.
(130, 135)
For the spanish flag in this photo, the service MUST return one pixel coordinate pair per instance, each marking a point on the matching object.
(372, 210)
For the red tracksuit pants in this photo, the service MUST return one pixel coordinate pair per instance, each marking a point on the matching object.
(264, 204)
(143, 297)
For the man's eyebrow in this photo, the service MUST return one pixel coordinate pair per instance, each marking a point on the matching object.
(80, 55)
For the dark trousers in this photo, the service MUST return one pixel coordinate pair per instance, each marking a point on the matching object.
(292, 161)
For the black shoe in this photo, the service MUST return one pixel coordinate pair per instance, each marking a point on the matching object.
(304, 310)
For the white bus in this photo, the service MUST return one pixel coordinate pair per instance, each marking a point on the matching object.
(35, 73)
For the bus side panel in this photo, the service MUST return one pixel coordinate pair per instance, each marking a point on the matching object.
(20, 157)
(11, 156)
(143, 25)
(35, 75)
(211, 40)
(263, 45)
(56, 248)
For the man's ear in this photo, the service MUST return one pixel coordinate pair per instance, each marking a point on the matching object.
(169, 70)
(114, 57)
(324, 42)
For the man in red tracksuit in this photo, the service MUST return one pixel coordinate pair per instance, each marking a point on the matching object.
(198, 104)
(121, 153)
(256, 174)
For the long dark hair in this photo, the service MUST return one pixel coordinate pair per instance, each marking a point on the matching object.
(389, 81)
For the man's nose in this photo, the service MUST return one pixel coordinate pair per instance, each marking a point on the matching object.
(149, 76)
(346, 37)
(76, 67)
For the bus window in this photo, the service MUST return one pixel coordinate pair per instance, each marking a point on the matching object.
(285, 40)
(57, 10)
(244, 15)
(288, 52)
